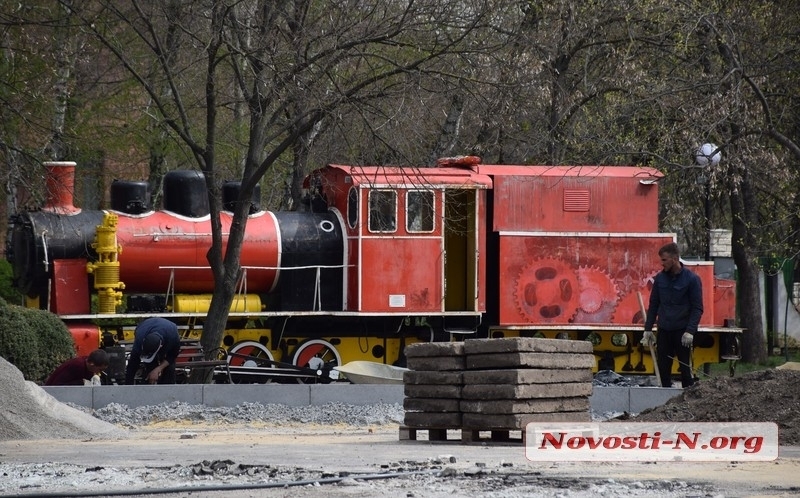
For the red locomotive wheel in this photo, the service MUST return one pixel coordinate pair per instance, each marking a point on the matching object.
(255, 350)
(316, 352)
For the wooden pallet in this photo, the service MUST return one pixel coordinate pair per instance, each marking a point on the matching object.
(440, 434)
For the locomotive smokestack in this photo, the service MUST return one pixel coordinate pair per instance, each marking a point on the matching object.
(60, 187)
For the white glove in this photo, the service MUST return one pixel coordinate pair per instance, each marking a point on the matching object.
(649, 338)
(687, 339)
(96, 380)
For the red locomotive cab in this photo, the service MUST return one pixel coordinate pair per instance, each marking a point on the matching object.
(414, 236)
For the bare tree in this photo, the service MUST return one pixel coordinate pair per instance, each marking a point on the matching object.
(294, 63)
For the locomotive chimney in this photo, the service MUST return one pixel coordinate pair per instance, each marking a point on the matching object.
(60, 187)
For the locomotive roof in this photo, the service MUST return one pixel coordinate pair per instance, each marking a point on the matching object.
(413, 176)
(640, 172)
(480, 175)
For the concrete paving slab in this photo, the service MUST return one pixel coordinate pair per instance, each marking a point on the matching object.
(432, 391)
(527, 376)
(429, 349)
(432, 377)
(510, 406)
(525, 344)
(525, 391)
(529, 360)
(436, 363)
(431, 405)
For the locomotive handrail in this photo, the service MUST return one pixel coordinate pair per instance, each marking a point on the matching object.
(322, 372)
(242, 286)
(177, 234)
(45, 251)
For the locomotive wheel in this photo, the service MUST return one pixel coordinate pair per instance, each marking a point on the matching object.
(315, 353)
(256, 351)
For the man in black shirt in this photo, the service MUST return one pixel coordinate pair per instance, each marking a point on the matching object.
(156, 343)
(676, 305)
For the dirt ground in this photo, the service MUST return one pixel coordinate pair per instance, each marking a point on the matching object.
(219, 459)
(763, 396)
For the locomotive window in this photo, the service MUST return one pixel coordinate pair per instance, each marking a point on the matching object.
(382, 211)
(352, 207)
(419, 211)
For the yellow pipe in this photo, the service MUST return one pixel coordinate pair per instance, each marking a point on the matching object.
(200, 303)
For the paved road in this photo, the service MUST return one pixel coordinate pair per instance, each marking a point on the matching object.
(369, 450)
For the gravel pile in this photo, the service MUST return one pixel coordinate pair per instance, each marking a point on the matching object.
(274, 414)
(28, 412)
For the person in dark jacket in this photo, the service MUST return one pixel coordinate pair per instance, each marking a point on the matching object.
(156, 344)
(79, 371)
(676, 305)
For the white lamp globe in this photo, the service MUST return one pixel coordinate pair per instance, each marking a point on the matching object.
(705, 155)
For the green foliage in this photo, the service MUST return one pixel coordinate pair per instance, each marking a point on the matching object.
(743, 367)
(35, 341)
(7, 291)
(18, 344)
(55, 342)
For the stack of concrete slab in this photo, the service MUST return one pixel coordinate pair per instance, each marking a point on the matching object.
(433, 385)
(510, 382)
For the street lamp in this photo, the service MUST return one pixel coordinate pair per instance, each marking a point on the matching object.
(708, 155)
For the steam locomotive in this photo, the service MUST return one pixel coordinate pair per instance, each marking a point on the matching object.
(382, 257)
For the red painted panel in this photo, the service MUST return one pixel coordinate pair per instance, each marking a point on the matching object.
(482, 230)
(353, 273)
(724, 301)
(705, 270)
(69, 294)
(563, 280)
(86, 337)
(572, 203)
(410, 269)
(175, 240)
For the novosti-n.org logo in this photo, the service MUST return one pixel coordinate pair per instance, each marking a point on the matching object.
(646, 441)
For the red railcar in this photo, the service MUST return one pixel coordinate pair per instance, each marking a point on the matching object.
(381, 257)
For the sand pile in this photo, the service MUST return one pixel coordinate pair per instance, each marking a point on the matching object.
(28, 412)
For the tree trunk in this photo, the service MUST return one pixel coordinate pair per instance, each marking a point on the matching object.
(56, 149)
(749, 292)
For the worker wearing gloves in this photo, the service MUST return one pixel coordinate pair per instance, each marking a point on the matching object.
(676, 305)
(80, 371)
(156, 345)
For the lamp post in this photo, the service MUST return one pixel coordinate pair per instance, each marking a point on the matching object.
(707, 155)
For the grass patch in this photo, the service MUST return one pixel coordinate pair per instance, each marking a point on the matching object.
(741, 367)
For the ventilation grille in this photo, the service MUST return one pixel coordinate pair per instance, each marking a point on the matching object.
(576, 200)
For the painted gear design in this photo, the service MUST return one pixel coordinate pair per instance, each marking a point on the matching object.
(597, 298)
(627, 280)
(647, 282)
(629, 312)
(547, 291)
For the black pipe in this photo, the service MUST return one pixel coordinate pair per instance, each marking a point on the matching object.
(223, 487)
